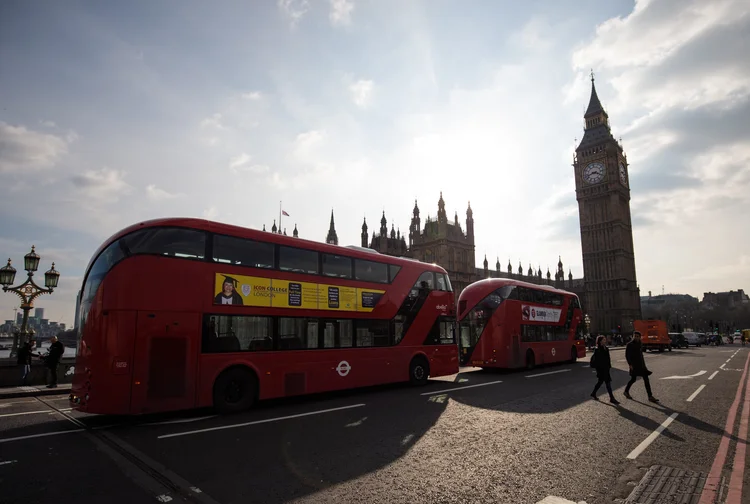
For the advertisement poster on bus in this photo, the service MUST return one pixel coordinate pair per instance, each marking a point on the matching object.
(243, 290)
(539, 314)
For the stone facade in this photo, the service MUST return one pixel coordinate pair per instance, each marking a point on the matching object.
(603, 194)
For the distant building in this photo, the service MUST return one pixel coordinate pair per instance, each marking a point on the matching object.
(730, 300)
(78, 307)
(39, 313)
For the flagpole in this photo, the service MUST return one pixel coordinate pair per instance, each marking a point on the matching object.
(279, 216)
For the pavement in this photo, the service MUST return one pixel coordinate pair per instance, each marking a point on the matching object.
(477, 437)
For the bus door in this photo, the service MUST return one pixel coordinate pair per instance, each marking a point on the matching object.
(165, 361)
(515, 355)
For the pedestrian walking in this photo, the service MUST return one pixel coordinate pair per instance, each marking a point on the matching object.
(637, 364)
(24, 360)
(52, 359)
(602, 363)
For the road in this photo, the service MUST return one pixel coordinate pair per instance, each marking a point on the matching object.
(478, 436)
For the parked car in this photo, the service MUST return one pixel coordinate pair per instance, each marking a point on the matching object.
(678, 340)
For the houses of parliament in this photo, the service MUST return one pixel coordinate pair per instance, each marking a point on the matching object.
(608, 290)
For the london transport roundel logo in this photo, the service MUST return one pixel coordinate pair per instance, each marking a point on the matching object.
(343, 368)
(553, 353)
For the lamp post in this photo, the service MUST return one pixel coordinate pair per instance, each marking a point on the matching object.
(587, 321)
(28, 291)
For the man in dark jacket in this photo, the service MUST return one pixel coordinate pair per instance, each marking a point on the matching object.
(634, 356)
(52, 359)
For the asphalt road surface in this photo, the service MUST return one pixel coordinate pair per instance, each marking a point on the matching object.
(494, 437)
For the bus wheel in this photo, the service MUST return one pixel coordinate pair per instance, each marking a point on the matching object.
(235, 390)
(573, 354)
(529, 360)
(419, 370)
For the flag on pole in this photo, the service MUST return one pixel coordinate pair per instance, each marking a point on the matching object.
(283, 212)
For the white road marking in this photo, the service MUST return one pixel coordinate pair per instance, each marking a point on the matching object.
(164, 498)
(256, 422)
(461, 388)
(6, 462)
(699, 373)
(19, 438)
(26, 413)
(551, 499)
(722, 366)
(712, 375)
(650, 439)
(181, 420)
(548, 373)
(694, 394)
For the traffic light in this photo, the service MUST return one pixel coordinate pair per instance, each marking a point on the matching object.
(619, 329)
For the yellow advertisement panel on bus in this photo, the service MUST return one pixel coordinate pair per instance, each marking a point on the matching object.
(276, 293)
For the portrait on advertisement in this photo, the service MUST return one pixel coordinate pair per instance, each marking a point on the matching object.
(228, 294)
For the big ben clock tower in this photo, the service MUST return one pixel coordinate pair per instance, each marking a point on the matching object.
(603, 194)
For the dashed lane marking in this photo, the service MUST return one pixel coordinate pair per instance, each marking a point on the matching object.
(712, 375)
(460, 388)
(57, 433)
(547, 373)
(25, 413)
(6, 462)
(695, 394)
(651, 437)
(257, 422)
(181, 420)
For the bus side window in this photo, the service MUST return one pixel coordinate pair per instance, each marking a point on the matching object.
(298, 260)
(175, 242)
(370, 271)
(337, 266)
(231, 250)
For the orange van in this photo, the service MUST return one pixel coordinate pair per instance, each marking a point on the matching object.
(654, 335)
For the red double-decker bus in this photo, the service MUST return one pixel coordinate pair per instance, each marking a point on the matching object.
(512, 324)
(184, 313)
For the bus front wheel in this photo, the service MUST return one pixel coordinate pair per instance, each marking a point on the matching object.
(235, 390)
(419, 370)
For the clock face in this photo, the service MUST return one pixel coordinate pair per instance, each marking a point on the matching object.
(593, 173)
(623, 174)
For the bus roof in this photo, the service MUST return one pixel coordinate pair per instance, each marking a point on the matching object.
(490, 284)
(265, 236)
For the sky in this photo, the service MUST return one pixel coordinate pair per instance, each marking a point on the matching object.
(117, 112)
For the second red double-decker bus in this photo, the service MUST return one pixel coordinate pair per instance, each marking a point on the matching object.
(513, 324)
(183, 313)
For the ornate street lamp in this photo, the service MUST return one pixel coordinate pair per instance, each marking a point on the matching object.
(27, 291)
(587, 321)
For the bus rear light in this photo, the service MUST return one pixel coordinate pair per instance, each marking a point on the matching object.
(137, 382)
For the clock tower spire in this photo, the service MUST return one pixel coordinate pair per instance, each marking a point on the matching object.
(603, 194)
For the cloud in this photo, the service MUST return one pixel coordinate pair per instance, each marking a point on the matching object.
(361, 92)
(49, 124)
(252, 95)
(238, 161)
(210, 213)
(294, 10)
(534, 35)
(105, 184)
(23, 149)
(156, 194)
(241, 163)
(341, 12)
(213, 121)
(308, 140)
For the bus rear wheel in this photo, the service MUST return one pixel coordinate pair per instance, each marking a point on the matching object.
(236, 389)
(573, 354)
(419, 370)
(530, 363)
